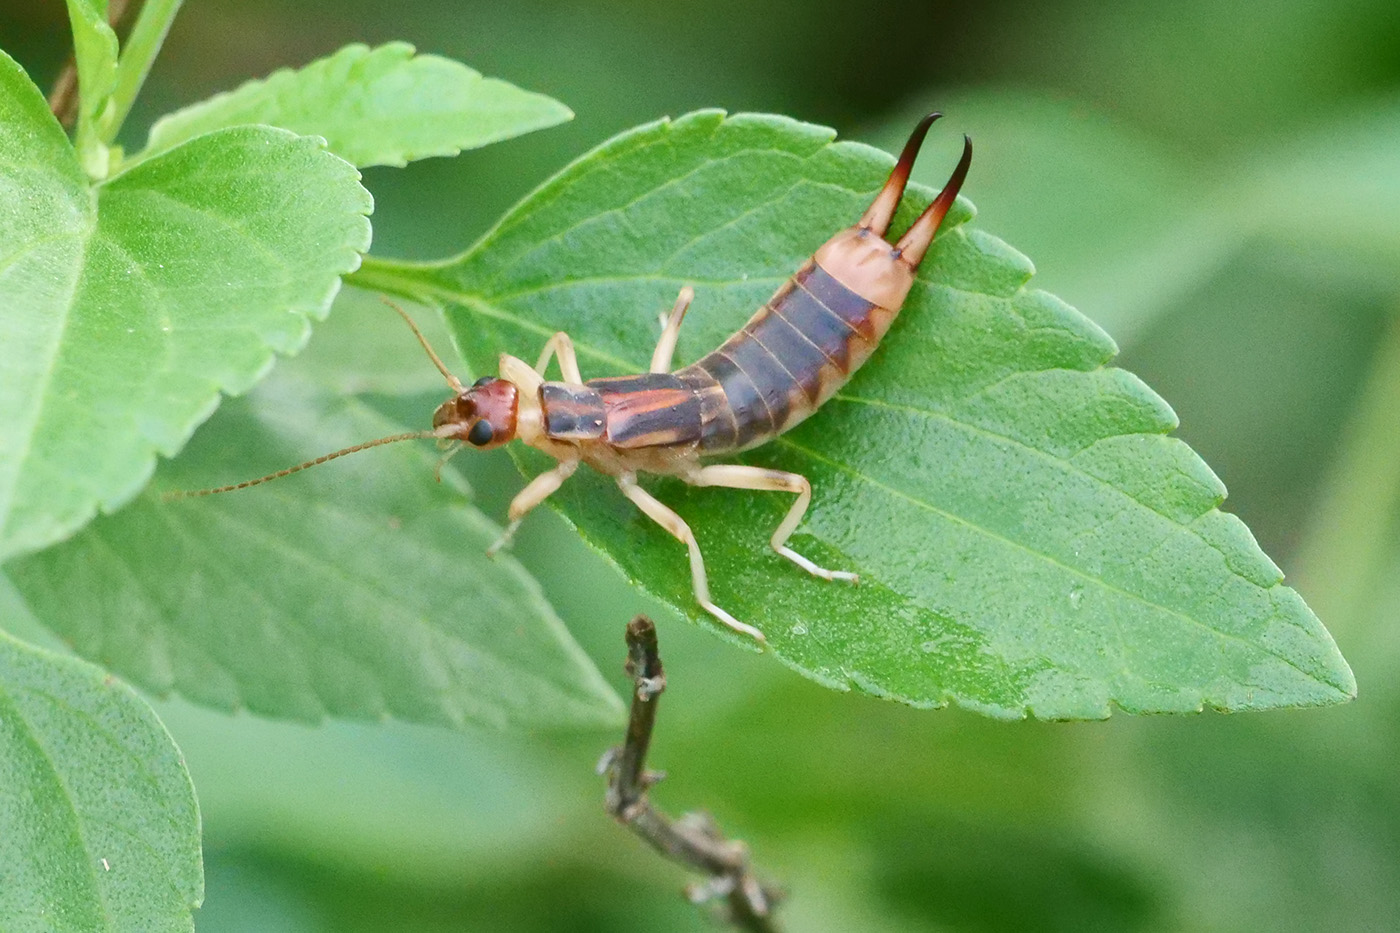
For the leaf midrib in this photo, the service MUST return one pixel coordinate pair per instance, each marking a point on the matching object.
(1065, 462)
(28, 431)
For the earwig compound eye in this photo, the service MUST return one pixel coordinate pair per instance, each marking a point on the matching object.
(480, 435)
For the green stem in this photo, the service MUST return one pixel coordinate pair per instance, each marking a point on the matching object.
(412, 281)
(137, 56)
(1345, 550)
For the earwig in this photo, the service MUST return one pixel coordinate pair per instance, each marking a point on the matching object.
(791, 356)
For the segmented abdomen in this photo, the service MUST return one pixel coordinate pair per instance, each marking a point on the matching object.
(791, 356)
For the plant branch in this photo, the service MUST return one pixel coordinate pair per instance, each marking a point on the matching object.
(63, 99)
(693, 840)
(137, 55)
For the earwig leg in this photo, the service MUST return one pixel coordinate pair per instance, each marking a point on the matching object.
(562, 346)
(449, 451)
(536, 491)
(735, 476)
(678, 529)
(671, 330)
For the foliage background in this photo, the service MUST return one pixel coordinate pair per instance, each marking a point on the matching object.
(1218, 184)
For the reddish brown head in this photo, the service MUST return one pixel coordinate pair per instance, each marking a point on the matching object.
(482, 415)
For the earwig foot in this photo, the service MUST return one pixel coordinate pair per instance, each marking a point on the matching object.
(816, 571)
(504, 540)
(734, 623)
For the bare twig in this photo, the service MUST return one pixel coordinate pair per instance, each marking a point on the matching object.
(693, 840)
(63, 99)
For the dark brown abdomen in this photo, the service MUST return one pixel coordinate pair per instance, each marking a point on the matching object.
(789, 358)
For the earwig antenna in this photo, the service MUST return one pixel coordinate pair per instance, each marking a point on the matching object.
(452, 380)
(392, 439)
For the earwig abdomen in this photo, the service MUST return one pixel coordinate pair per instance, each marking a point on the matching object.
(791, 356)
(821, 325)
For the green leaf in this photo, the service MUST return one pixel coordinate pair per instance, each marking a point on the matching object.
(99, 829)
(95, 51)
(359, 590)
(383, 106)
(1029, 539)
(130, 306)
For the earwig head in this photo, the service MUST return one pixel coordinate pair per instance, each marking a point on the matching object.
(483, 414)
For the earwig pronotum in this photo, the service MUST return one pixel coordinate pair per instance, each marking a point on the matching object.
(792, 355)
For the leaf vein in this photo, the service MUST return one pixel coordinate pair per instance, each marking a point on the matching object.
(621, 209)
(1068, 465)
(78, 820)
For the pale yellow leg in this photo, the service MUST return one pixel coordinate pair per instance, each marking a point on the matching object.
(562, 346)
(536, 491)
(670, 331)
(449, 450)
(677, 527)
(736, 476)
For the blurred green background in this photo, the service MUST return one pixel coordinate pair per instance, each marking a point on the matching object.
(1217, 183)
